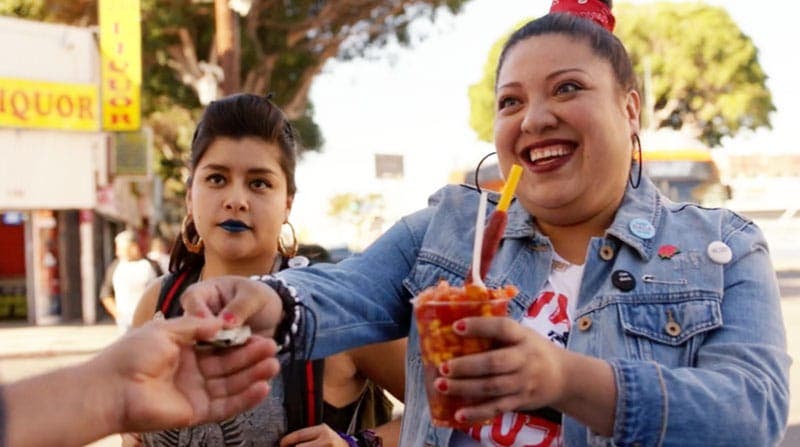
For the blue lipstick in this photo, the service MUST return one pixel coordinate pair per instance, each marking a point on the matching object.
(234, 226)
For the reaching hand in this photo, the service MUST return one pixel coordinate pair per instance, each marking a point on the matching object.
(317, 436)
(236, 300)
(164, 382)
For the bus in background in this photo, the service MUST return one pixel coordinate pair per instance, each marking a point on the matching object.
(686, 175)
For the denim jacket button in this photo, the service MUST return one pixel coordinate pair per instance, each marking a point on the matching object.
(672, 328)
(584, 323)
(606, 253)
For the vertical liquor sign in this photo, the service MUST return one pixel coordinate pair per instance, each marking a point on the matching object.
(121, 59)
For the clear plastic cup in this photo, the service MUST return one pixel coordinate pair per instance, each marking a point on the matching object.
(436, 309)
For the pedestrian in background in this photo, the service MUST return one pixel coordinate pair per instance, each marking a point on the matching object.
(126, 279)
(159, 252)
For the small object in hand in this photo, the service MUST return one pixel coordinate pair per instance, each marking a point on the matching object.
(227, 337)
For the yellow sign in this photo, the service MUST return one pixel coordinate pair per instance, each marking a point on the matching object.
(121, 58)
(35, 104)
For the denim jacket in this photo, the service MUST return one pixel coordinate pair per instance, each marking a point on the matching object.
(697, 347)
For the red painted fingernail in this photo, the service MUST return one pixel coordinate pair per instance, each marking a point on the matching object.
(199, 315)
(228, 317)
(442, 385)
(444, 369)
(460, 326)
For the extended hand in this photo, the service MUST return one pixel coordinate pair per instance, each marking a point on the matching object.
(235, 300)
(164, 382)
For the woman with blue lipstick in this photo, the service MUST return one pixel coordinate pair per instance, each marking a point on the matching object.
(639, 321)
(240, 193)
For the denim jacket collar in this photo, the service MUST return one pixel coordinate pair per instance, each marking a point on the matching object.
(643, 202)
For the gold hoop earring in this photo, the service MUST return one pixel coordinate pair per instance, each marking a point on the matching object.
(291, 250)
(193, 247)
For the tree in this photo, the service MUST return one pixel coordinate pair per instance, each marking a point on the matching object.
(284, 45)
(704, 74)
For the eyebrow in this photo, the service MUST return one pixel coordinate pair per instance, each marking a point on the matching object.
(217, 167)
(548, 77)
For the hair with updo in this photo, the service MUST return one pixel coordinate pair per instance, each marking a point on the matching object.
(603, 43)
(237, 116)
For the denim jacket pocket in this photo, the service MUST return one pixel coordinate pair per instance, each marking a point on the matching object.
(669, 327)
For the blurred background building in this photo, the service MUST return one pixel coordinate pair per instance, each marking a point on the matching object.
(67, 186)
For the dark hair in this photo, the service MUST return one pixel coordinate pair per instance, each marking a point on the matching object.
(602, 42)
(236, 116)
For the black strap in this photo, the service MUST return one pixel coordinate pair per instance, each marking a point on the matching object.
(173, 286)
(303, 393)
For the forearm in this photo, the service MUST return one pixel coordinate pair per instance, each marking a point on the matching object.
(591, 392)
(69, 407)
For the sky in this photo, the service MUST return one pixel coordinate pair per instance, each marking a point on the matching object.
(414, 102)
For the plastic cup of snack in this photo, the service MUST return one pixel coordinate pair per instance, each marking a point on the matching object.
(436, 309)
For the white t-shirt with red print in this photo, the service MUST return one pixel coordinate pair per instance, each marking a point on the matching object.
(549, 315)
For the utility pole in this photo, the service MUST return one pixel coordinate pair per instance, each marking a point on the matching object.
(228, 46)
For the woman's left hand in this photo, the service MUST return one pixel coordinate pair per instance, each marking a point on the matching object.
(526, 371)
(317, 436)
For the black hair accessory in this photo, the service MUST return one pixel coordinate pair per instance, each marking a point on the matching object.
(478, 169)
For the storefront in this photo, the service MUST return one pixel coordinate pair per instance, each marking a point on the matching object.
(61, 201)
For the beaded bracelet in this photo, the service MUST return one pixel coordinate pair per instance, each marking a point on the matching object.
(289, 326)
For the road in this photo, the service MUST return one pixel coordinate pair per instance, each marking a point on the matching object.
(16, 368)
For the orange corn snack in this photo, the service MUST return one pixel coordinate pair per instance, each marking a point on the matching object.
(436, 309)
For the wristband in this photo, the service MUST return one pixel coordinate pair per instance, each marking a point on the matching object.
(289, 326)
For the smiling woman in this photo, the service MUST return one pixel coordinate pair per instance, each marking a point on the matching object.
(634, 313)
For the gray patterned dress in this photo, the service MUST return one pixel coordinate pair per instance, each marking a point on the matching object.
(263, 426)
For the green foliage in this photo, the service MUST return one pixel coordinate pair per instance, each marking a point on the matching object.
(704, 71)
(284, 45)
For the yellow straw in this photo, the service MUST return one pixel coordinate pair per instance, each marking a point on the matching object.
(509, 187)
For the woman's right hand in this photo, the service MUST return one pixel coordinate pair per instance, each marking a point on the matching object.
(236, 300)
(318, 436)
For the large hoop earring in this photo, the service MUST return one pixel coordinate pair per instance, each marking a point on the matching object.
(636, 160)
(193, 247)
(291, 250)
(478, 169)
(293, 260)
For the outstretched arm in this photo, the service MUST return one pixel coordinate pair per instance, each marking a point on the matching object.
(153, 378)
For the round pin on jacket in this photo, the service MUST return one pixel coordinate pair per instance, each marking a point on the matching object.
(642, 228)
(298, 261)
(719, 252)
(623, 280)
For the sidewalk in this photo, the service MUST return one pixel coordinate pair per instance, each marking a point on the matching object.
(20, 340)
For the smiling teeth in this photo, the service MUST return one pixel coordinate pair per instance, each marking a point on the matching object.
(547, 153)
